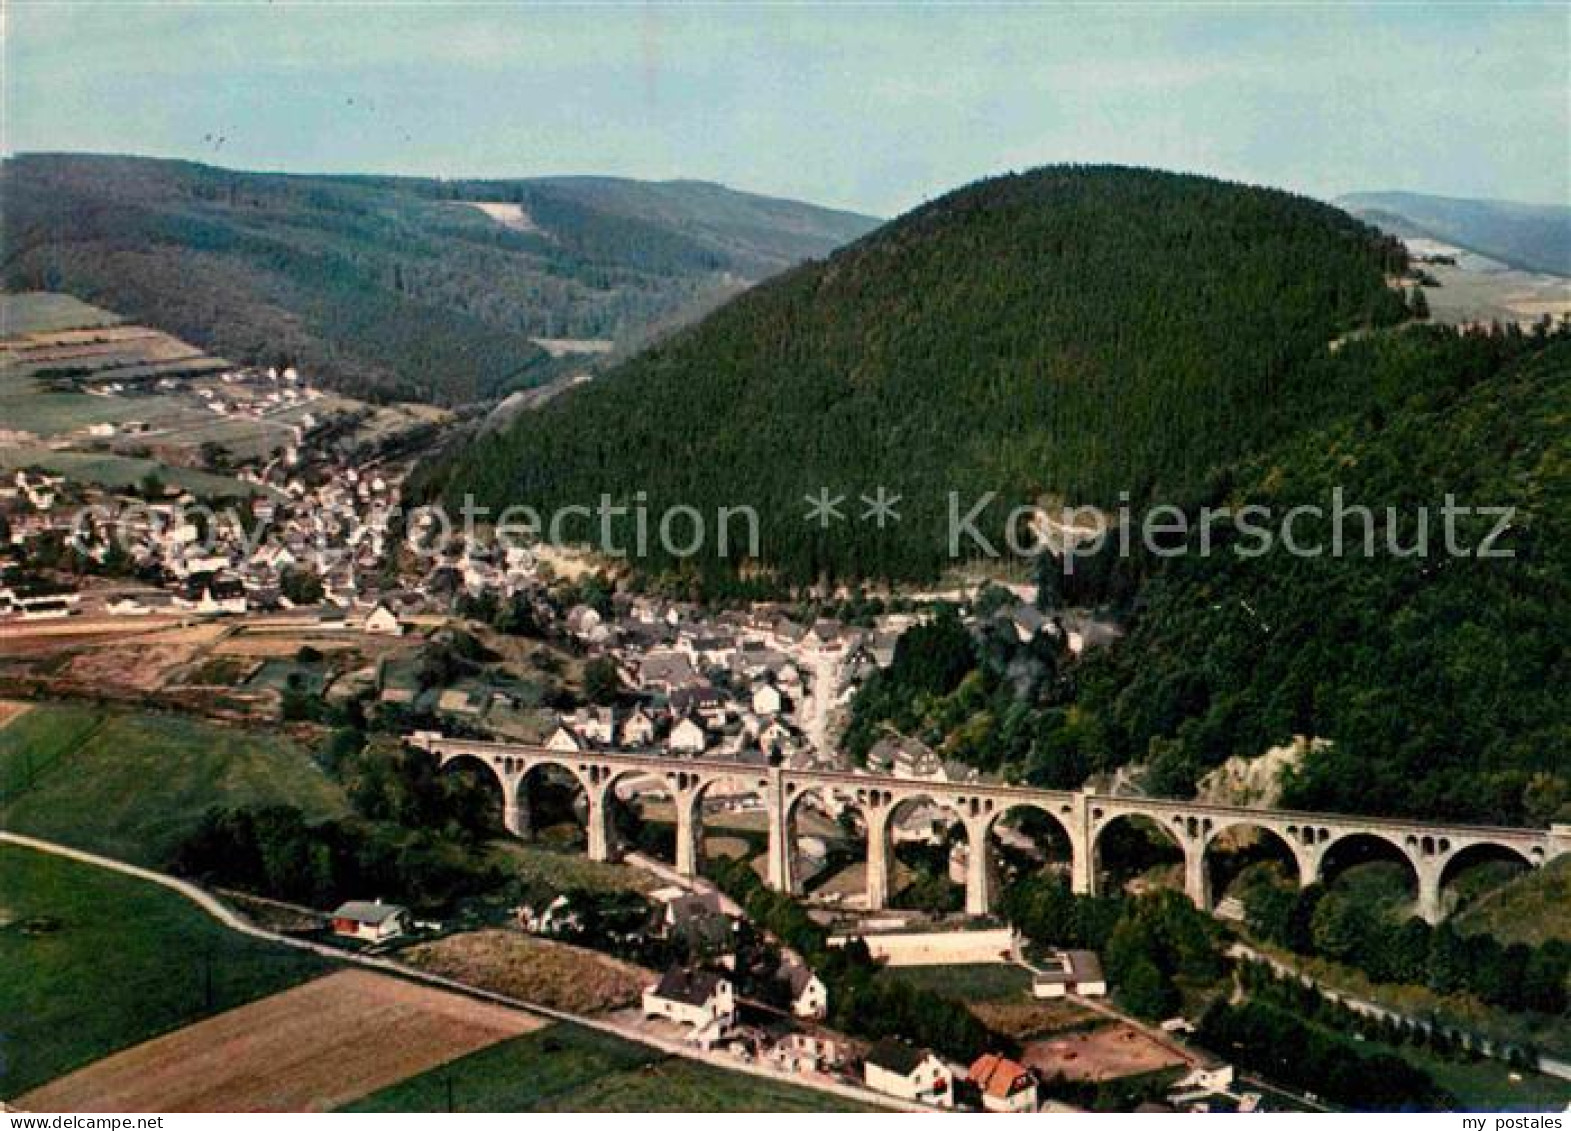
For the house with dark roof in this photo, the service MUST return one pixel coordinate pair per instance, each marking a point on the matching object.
(700, 999)
(667, 671)
(897, 1068)
(809, 995)
(698, 919)
(709, 705)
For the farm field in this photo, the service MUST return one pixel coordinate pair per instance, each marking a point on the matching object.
(46, 312)
(1479, 289)
(117, 472)
(310, 1048)
(132, 786)
(536, 970)
(568, 1068)
(95, 962)
(108, 653)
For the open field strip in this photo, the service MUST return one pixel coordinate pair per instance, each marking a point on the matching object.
(93, 961)
(133, 786)
(314, 1047)
(720, 1065)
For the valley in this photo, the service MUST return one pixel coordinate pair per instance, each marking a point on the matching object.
(590, 785)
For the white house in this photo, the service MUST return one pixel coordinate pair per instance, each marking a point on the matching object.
(563, 741)
(775, 737)
(898, 1069)
(809, 995)
(700, 999)
(687, 737)
(1211, 1077)
(1070, 972)
(596, 724)
(555, 916)
(382, 621)
(210, 595)
(370, 921)
(814, 1051)
(767, 699)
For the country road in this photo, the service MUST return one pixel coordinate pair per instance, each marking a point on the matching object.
(229, 918)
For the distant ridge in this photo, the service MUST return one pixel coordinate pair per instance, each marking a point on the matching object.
(1533, 237)
(391, 287)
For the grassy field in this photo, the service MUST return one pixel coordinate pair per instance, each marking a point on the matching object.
(94, 962)
(983, 981)
(132, 786)
(567, 1068)
(35, 742)
(565, 869)
(119, 472)
(535, 970)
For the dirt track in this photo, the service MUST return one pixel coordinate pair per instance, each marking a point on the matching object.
(312, 1048)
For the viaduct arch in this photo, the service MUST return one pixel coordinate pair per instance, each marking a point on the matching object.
(1432, 849)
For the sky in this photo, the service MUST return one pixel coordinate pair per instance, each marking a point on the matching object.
(870, 107)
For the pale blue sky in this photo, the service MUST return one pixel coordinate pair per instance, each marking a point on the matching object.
(870, 107)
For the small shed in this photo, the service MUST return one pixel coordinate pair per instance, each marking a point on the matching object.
(370, 921)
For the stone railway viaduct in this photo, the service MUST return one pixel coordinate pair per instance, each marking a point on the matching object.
(1430, 848)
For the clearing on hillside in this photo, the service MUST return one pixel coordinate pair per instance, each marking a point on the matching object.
(312, 1048)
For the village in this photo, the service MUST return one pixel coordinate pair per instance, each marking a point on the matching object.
(314, 554)
(276, 581)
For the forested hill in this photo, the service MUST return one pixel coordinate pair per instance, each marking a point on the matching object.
(1534, 237)
(394, 287)
(1080, 331)
(1439, 679)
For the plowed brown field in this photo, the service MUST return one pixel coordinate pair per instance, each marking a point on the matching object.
(312, 1048)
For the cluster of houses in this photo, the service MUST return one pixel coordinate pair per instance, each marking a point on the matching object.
(237, 394)
(704, 1004)
(335, 528)
(311, 513)
(733, 685)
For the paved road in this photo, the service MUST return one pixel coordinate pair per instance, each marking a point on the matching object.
(223, 914)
